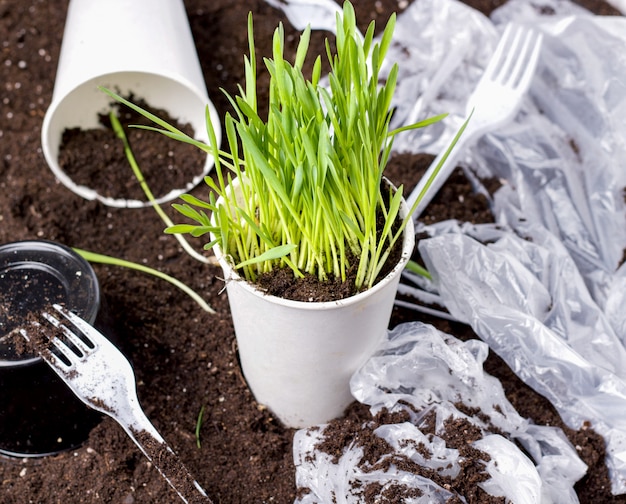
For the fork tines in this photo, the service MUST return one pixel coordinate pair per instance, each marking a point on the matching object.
(56, 341)
(518, 50)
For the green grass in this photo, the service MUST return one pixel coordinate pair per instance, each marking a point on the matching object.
(310, 173)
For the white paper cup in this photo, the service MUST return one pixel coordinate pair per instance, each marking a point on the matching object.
(139, 46)
(297, 357)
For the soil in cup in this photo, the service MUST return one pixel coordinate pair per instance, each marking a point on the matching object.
(164, 169)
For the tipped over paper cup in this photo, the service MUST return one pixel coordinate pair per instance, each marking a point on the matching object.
(139, 47)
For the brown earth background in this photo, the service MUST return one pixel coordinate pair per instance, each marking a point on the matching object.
(185, 360)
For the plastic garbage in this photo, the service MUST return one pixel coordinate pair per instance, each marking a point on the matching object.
(548, 295)
(433, 378)
(562, 157)
(531, 307)
(561, 166)
(564, 162)
(319, 14)
(619, 4)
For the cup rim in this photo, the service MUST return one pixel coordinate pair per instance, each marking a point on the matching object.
(50, 144)
(408, 244)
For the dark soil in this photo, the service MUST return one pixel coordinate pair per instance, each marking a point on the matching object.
(166, 170)
(348, 432)
(185, 360)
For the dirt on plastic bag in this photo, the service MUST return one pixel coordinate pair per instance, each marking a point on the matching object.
(425, 384)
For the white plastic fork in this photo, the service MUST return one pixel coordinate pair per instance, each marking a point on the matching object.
(101, 376)
(495, 101)
(319, 14)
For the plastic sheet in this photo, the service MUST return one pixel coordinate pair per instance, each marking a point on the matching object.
(563, 156)
(565, 163)
(619, 5)
(441, 48)
(561, 163)
(553, 309)
(427, 373)
(319, 14)
(530, 305)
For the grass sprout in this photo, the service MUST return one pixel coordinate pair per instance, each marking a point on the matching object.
(198, 426)
(418, 269)
(94, 257)
(121, 134)
(310, 175)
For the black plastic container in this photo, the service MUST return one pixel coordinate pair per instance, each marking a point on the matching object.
(39, 415)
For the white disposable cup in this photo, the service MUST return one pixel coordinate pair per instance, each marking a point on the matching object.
(298, 357)
(139, 46)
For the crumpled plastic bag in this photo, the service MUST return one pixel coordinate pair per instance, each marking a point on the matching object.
(442, 48)
(619, 5)
(561, 163)
(318, 14)
(565, 165)
(530, 305)
(562, 158)
(434, 377)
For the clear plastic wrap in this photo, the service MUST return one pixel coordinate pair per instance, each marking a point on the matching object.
(550, 304)
(555, 314)
(563, 156)
(619, 5)
(565, 163)
(434, 377)
(530, 305)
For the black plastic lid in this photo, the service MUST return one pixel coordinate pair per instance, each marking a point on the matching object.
(33, 275)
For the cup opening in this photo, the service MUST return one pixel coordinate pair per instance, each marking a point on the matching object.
(407, 245)
(80, 107)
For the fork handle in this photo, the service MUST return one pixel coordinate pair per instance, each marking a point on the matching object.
(430, 183)
(158, 452)
(172, 469)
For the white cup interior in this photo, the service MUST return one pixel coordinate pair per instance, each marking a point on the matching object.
(80, 107)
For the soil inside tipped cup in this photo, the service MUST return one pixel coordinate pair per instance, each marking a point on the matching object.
(163, 169)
